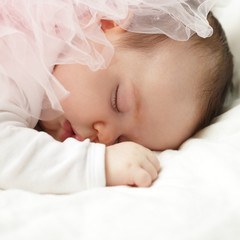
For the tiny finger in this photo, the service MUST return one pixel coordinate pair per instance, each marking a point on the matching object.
(154, 160)
(150, 168)
(142, 178)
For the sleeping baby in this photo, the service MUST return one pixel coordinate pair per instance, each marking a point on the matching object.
(155, 93)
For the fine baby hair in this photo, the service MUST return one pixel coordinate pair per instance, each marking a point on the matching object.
(218, 83)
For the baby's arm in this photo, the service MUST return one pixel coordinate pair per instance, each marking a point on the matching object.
(34, 161)
(131, 164)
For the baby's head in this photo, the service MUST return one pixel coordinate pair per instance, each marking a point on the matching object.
(210, 64)
(156, 92)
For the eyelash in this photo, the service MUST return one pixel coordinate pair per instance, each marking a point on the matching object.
(114, 100)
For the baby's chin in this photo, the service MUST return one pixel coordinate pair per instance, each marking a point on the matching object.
(55, 134)
(52, 127)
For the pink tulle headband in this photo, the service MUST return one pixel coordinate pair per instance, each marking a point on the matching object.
(178, 19)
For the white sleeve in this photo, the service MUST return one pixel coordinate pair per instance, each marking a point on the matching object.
(34, 161)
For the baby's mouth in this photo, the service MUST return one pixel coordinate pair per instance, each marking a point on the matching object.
(68, 131)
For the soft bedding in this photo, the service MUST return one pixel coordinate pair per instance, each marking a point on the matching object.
(197, 194)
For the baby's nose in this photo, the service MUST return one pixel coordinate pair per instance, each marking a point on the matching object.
(106, 134)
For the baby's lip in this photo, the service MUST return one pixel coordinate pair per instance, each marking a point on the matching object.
(77, 136)
(68, 131)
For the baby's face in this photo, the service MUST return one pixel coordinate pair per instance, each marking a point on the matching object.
(151, 100)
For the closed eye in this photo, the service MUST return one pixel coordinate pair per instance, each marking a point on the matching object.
(115, 99)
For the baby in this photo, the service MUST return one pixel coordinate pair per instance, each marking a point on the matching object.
(155, 94)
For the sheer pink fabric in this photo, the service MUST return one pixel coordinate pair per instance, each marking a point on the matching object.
(36, 35)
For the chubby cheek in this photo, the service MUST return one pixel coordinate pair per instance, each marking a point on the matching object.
(84, 110)
(74, 109)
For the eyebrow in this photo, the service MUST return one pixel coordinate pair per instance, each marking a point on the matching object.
(137, 99)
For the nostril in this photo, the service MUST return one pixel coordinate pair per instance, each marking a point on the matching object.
(107, 140)
(117, 140)
(105, 133)
(96, 140)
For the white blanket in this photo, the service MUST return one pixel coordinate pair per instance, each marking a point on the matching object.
(197, 194)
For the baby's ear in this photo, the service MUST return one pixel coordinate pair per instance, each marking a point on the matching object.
(110, 26)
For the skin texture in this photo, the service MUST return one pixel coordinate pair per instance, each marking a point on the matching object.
(140, 99)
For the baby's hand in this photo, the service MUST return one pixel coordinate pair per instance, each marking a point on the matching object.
(128, 163)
